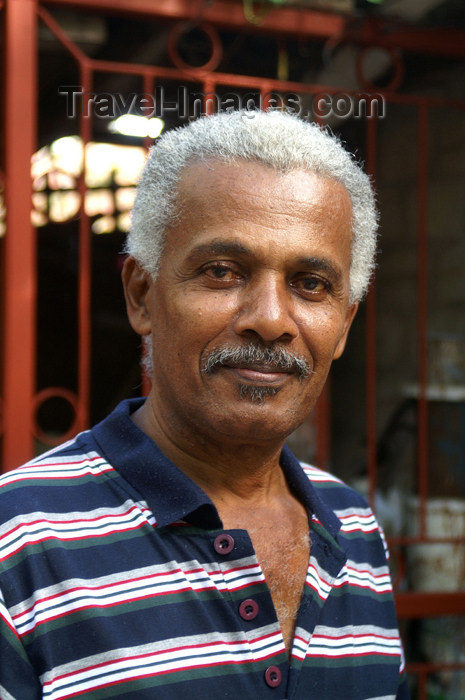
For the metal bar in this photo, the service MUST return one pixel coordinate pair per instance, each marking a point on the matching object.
(284, 20)
(254, 82)
(85, 265)
(228, 79)
(208, 93)
(418, 605)
(149, 87)
(418, 539)
(289, 21)
(429, 41)
(64, 39)
(422, 313)
(370, 338)
(20, 240)
(422, 681)
(265, 97)
(432, 667)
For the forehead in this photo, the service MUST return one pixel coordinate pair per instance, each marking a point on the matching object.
(269, 218)
(212, 183)
(266, 221)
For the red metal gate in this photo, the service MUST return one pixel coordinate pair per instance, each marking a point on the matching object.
(21, 400)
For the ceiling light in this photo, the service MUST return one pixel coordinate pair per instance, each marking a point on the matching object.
(138, 126)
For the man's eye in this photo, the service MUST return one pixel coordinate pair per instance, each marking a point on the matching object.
(221, 272)
(311, 285)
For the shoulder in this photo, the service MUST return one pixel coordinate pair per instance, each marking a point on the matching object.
(356, 517)
(41, 482)
(333, 490)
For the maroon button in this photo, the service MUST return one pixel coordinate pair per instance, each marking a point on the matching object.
(248, 609)
(273, 676)
(223, 544)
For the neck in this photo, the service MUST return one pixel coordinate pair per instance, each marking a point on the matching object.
(225, 470)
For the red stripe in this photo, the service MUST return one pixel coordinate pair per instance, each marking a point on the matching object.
(357, 584)
(355, 636)
(322, 477)
(87, 460)
(88, 590)
(99, 588)
(244, 585)
(226, 571)
(71, 522)
(103, 605)
(19, 473)
(367, 571)
(351, 656)
(71, 539)
(316, 591)
(152, 673)
(139, 657)
(319, 578)
(111, 604)
(366, 531)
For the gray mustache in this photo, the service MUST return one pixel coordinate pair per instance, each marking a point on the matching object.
(252, 355)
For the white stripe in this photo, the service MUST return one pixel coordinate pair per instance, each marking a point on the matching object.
(239, 579)
(349, 630)
(126, 586)
(162, 657)
(318, 579)
(5, 695)
(301, 642)
(354, 647)
(356, 513)
(353, 641)
(23, 530)
(365, 576)
(58, 467)
(318, 475)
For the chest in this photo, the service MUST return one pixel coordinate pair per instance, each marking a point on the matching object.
(282, 548)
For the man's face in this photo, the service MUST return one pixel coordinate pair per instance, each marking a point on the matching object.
(250, 305)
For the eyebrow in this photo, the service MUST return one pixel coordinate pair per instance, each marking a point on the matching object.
(218, 248)
(321, 265)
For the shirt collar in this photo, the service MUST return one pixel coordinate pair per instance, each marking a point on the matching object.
(307, 493)
(170, 494)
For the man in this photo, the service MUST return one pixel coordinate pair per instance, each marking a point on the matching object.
(178, 549)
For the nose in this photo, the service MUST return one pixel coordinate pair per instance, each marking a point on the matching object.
(266, 310)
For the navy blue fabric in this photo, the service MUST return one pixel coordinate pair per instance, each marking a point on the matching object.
(112, 586)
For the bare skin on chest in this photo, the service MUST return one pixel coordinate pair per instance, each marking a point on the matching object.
(280, 536)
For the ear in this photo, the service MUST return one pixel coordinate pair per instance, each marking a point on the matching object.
(350, 315)
(137, 283)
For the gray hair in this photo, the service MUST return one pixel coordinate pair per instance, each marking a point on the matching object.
(278, 139)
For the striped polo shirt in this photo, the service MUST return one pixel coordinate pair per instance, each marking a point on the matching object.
(117, 580)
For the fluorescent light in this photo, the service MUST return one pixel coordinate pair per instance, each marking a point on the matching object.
(68, 154)
(134, 125)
